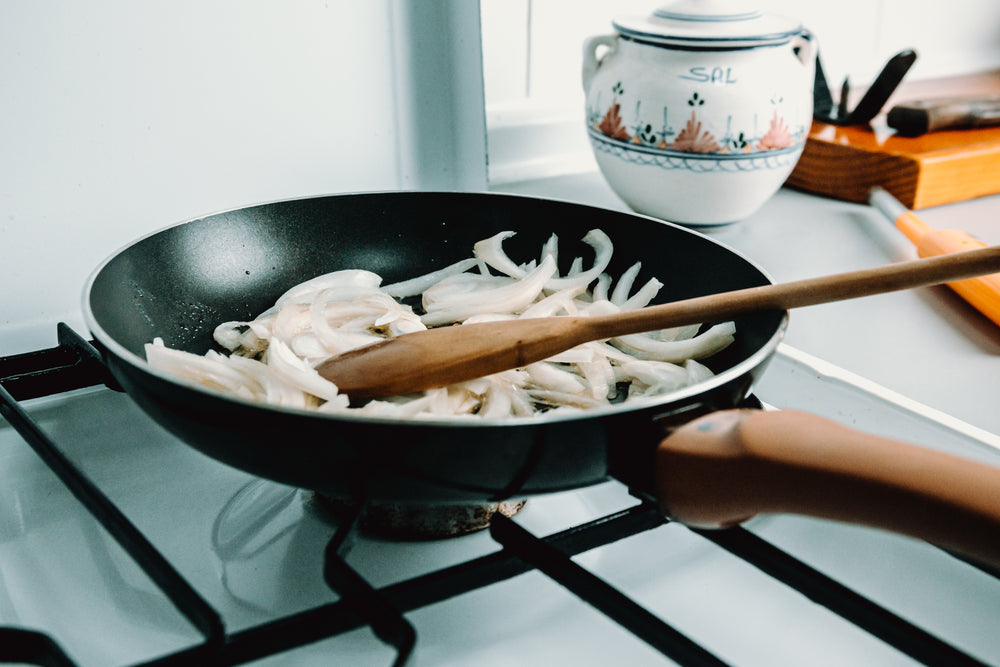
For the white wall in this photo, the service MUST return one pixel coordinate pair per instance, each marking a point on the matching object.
(532, 56)
(120, 117)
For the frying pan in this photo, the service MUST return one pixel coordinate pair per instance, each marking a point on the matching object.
(180, 282)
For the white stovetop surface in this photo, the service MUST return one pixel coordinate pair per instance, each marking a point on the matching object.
(927, 344)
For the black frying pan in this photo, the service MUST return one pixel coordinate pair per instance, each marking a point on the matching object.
(179, 283)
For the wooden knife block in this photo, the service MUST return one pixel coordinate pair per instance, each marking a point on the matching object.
(933, 169)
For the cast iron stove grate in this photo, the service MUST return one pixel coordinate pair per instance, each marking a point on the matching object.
(75, 363)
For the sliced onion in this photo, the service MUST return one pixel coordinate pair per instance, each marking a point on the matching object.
(553, 304)
(273, 356)
(549, 376)
(511, 297)
(643, 296)
(459, 286)
(491, 252)
(703, 345)
(348, 282)
(240, 336)
(624, 285)
(421, 284)
(297, 373)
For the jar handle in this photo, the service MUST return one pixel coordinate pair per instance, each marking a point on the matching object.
(804, 47)
(590, 60)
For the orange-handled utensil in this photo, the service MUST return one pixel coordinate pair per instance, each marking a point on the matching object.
(982, 292)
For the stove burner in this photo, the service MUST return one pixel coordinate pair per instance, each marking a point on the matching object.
(420, 522)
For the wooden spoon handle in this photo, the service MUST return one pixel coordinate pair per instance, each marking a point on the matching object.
(728, 466)
(808, 292)
(443, 356)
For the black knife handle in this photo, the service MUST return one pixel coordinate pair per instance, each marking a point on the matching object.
(912, 119)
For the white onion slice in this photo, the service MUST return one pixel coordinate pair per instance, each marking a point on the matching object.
(297, 373)
(348, 281)
(603, 249)
(642, 346)
(420, 284)
(492, 253)
(624, 285)
(514, 297)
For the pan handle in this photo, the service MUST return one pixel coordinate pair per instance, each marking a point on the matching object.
(725, 467)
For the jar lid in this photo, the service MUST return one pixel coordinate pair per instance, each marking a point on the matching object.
(709, 24)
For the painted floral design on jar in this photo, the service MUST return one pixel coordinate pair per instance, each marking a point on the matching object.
(611, 123)
(777, 136)
(694, 137)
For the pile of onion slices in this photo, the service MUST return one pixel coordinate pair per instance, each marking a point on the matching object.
(272, 358)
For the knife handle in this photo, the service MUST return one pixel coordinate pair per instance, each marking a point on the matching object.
(912, 119)
(982, 292)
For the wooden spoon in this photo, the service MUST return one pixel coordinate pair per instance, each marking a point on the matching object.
(439, 357)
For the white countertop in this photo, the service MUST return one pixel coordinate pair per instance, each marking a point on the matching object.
(926, 344)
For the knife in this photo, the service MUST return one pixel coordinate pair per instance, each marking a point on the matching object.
(912, 119)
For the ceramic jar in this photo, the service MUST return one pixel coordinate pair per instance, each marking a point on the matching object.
(698, 113)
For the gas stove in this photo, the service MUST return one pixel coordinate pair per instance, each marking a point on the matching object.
(122, 546)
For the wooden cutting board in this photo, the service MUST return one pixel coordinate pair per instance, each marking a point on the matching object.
(933, 169)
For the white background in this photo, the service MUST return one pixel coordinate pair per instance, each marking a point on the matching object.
(118, 118)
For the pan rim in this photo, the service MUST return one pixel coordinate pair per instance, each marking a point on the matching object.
(549, 417)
